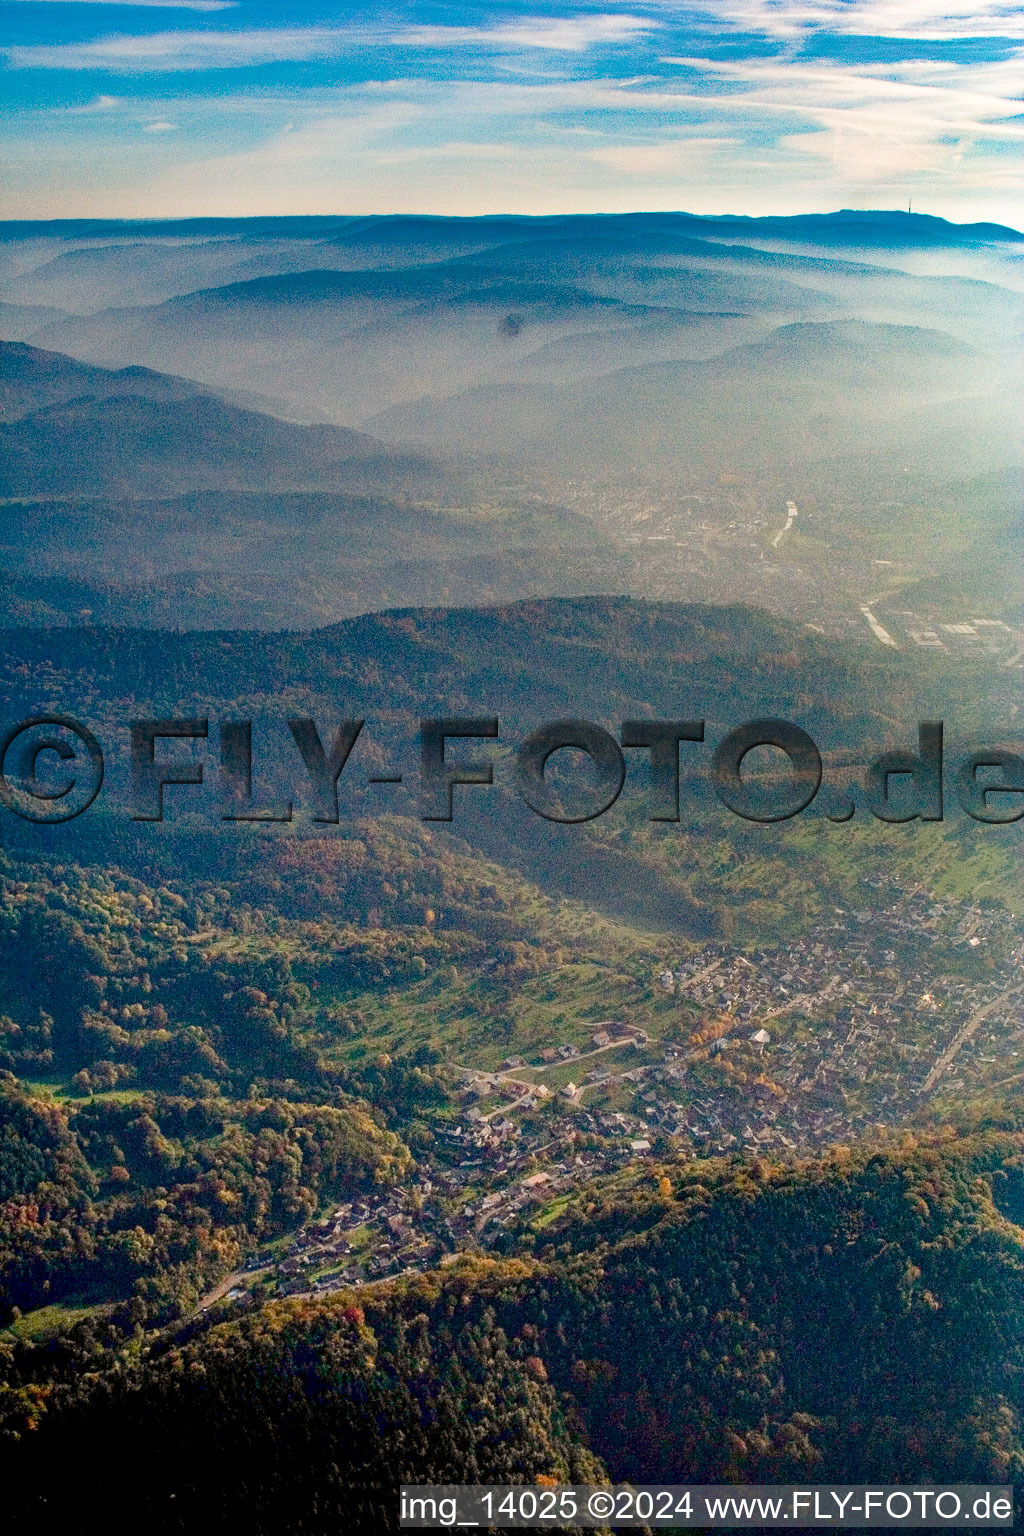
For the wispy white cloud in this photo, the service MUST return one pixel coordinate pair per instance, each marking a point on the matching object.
(927, 20)
(160, 127)
(125, 5)
(168, 51)
(916, 96)
(875, 124)
(484, 145)
(669, 159)
(561, 34)
(190, 51)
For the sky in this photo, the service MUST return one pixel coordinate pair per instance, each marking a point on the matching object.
(162, 108)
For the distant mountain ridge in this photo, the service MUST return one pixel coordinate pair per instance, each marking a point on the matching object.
(33, 379)
(805, 392)
(304, 226)
(344, 319)
(143, 496)
(77, 429)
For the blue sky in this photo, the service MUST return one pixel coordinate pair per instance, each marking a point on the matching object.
(745, 106)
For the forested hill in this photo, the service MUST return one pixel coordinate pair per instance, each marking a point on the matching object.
(608, 659)
(686, 1322)
(526, 661)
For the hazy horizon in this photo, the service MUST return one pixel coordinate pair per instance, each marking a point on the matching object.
(499, 212)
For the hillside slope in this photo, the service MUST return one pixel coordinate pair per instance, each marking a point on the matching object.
(674, 1325)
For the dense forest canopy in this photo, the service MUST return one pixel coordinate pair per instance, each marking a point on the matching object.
(712, 1323)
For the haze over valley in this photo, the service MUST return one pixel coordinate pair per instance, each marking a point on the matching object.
(296, 420)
